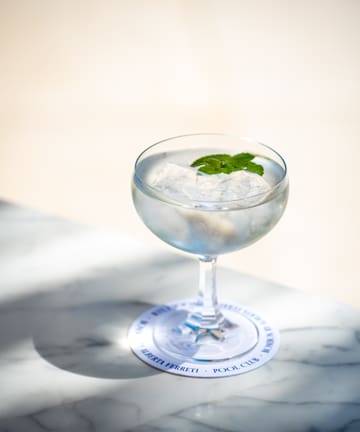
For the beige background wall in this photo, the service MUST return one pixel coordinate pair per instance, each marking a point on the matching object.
(85, 85)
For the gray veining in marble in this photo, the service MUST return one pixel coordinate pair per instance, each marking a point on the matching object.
(67, 296)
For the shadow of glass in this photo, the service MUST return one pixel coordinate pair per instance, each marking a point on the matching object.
(82, 327)
(91, 340)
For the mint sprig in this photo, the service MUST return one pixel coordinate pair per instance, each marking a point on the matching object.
(224, 163)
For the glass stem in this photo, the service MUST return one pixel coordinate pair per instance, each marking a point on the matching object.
(206, 313)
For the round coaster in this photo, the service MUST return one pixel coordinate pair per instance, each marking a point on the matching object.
(142, 343)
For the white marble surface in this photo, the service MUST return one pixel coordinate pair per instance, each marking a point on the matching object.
(67, 296)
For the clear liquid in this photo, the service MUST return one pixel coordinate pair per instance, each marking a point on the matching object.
(203, 228)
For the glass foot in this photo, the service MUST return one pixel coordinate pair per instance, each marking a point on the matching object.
(236, 336)
(163, 338)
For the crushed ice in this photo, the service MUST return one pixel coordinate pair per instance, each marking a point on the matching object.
(186, 183)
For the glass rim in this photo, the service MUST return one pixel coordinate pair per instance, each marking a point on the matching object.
(158, 194)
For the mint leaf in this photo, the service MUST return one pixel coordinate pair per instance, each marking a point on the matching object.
(224, 163)
(254, 168)
(214, 160)
(243, 157)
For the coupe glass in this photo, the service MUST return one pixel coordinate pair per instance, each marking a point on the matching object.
(207, 215)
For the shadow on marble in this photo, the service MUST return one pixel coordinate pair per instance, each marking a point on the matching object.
(81, 325)
(91, 340)
(84, 325)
